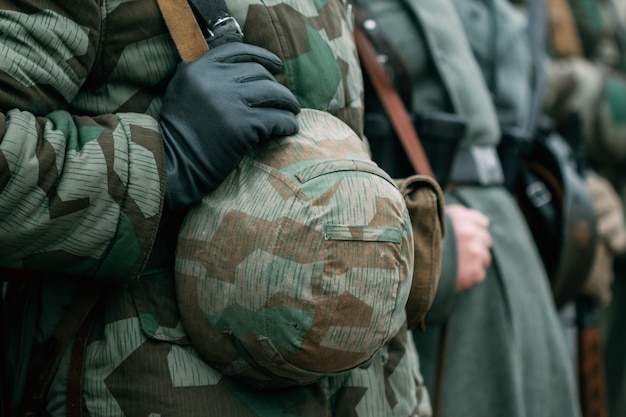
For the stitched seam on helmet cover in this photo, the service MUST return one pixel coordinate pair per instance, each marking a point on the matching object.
(332, 166)
(362, 233)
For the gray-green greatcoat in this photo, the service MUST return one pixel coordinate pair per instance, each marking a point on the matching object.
(506, 354)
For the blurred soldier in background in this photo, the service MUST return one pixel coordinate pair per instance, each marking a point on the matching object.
(588, 77)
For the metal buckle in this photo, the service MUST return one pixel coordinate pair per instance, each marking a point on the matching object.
(225, 24)
(538, 194)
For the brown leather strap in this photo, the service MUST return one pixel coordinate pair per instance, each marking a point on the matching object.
(441, 361)
(183, 28)
(562, 30)
(88, 294)
(74, 392)
(591, 373)
(395, 61)
(393, 105)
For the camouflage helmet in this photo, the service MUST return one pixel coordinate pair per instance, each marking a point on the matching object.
(299, 265)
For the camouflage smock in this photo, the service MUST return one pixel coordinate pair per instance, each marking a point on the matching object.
(81, 190)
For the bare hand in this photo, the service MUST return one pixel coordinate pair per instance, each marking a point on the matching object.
(473, 245)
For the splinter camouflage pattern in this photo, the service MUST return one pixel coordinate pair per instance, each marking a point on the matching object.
(81, 190)
(312, 281)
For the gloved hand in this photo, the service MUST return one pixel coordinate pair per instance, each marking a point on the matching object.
(214, 111)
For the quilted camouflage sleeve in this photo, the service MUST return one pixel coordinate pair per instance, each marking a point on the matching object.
(78, 194)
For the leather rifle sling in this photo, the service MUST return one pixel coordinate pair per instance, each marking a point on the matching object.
(184, 28)
(183, 25)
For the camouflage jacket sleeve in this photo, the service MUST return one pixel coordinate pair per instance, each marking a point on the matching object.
(80, 194)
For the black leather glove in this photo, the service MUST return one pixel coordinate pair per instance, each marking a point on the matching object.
(214, 111)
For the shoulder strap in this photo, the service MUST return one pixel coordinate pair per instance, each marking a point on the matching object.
(184, 28)
(393, 105)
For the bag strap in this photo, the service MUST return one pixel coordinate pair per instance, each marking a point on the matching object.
(393, 104)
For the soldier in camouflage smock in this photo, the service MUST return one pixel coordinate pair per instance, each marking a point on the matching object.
(590, 78)
(82, 183)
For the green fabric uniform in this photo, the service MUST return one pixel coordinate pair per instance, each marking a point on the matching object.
(595, 85)
(506, 354)
(81, 188)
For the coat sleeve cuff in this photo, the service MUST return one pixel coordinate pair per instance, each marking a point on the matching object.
(141, 205)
